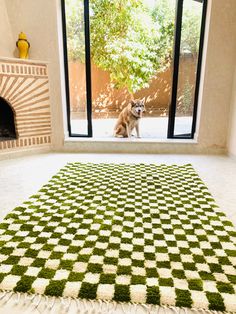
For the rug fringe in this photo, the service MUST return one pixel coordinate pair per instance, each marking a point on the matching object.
(45, 304)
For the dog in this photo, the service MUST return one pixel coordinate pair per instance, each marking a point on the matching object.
(129, 119)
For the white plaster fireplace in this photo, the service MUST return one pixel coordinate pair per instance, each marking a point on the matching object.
(25, 116)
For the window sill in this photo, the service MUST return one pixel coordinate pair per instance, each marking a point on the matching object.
(131, 146)
(130, 141)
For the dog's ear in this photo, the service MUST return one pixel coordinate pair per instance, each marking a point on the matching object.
(144, 107)
(133, 103)
(143, 103)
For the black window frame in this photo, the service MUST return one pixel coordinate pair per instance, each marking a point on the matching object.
(87, 70)
(175, 79)
(175, 76)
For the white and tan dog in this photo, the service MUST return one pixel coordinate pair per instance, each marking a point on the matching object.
(129, 119)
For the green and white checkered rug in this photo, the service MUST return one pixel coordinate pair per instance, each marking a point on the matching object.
(130, 233)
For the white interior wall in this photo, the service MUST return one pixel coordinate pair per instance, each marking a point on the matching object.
(217, 84)
(7, 42)
(232, 128)
(40, 20)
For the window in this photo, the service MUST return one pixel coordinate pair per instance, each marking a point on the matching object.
(98, 85)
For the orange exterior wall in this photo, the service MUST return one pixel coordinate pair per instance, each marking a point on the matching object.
(108, 101)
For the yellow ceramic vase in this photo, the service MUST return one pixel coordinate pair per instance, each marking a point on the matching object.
(23, 45)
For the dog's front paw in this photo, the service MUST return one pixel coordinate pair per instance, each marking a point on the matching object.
(139, 137)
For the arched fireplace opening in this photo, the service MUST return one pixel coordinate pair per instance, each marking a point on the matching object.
(7, 121)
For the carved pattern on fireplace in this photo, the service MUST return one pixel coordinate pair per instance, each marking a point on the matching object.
(25, 87)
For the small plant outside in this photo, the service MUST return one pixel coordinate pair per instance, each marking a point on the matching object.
(132, 43)
(186, 104)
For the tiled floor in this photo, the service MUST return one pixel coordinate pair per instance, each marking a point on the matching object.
(22, 177)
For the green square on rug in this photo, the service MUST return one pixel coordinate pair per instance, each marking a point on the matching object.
(137, 233)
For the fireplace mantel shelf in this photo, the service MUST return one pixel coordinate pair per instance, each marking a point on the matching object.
(24, 61)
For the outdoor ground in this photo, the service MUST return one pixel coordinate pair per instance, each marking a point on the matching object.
(149, 127)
